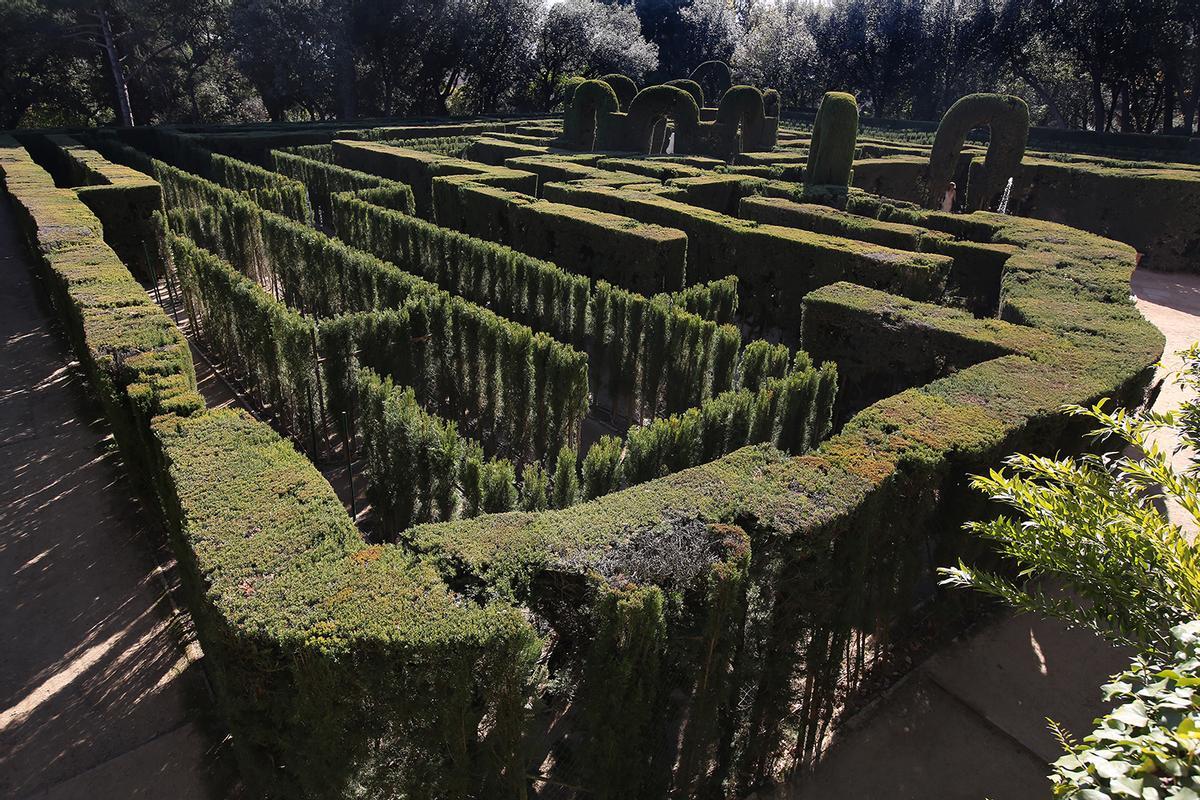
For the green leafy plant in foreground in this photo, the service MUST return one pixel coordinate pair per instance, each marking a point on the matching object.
(1147, 746)
(1094, 525)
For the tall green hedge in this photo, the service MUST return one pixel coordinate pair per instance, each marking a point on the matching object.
(418, 467)
(325, 179)
(513, 284)
(521, 394)
(255, 336)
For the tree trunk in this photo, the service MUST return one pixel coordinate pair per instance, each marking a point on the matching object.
(1098, 121)
(344, 66)
(1169, 81)
(120, 87)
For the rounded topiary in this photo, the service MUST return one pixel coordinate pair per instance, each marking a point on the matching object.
(654, 103)
(1007, 117)
(569, 85)
(835, 132)
(771, 102)
(624, 86)
(691, 87)
(714, 77)
(591, 99)
(744, 105)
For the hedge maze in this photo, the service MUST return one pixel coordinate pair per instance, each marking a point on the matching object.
(660, 449)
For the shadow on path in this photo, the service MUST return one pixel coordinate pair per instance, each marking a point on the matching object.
(98, 672)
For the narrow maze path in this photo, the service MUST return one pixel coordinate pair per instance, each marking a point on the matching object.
(99, 685)
(970, 722)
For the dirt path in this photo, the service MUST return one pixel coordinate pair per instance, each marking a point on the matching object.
(969, 722)
(98, 677)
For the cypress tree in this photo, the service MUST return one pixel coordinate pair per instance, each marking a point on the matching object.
(566, 479)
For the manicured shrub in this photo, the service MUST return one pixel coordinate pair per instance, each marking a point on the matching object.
(624, 87)
(1007, 117)
(716, 300)
(835, 133)
(122, 198)
(601, 467)
(714, 78)
(655, 103)
(515, 285)
(325, 179)
(253, 334)
(535, 486)
(691, 87)
(566, 479)
(742, 106)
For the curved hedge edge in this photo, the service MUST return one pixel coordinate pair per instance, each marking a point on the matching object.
(337, 664)
(831, 555)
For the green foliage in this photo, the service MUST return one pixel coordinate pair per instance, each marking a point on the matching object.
(122, 198)
(252, 333)
(535, 485)
(136, 359)
(601, 467)
(835, 133)
(624, 88)
(655, 103)
(516, 286)
(326, 179)
(270, 190)
(1007, 117)
(565, 489)
(1146, 747)
(792, 411)
(761, 361)
(691, 87)
(1092, 523)
(416, 462)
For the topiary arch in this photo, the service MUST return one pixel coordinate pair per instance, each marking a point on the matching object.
(691, 87)
(714, 78)
(1007, 118)
(655, 103)
(835, 133)
(743, 105)
(591, 100)
(624, 86)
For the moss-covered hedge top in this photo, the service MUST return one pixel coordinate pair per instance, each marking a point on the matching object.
(96, 170)
(281, 559)
(1072, 336)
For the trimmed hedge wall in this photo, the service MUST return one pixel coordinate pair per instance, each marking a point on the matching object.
(123, 199)
(340, 668)
(137, 361)
(521, 394)
(708, 624)
(641, 257)
(513, 284)
(719, 244)
(254, 335)
(830, 556)
(323, 180)
(1157, 210)
(418, 169)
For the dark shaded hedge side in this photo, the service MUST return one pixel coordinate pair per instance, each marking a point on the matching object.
(342, 669)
